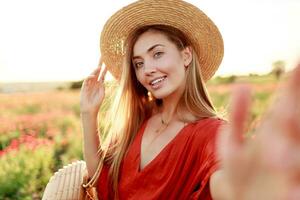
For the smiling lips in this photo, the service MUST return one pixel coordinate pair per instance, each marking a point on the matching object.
(156, 83)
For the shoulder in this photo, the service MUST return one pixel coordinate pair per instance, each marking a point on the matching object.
(205, 131)
(209, 125)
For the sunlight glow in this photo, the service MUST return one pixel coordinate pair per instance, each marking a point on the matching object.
(59, 40)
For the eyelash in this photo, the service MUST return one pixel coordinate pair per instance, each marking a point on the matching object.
(156, 55)
(159, 53)
(136, 65)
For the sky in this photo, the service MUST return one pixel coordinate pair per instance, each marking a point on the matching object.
(58, 40)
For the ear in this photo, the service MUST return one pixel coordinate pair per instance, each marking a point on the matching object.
(187, 54)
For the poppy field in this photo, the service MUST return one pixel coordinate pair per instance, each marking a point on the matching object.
(40, 132)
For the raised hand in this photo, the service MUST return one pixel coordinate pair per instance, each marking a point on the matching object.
(93, 90)
(267, 167)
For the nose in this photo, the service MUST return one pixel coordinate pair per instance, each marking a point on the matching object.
(149, 68)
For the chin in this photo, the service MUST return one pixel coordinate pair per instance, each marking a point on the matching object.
(161, 94)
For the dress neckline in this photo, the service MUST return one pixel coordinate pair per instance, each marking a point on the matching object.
(163, 150)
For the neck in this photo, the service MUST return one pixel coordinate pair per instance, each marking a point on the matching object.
(168, 109)
(169, 106)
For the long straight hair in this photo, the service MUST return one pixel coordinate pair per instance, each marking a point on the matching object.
(132, 105)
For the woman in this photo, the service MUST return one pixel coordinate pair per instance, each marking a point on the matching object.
(162, 129)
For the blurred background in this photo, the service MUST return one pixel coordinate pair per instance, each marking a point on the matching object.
(48, 47)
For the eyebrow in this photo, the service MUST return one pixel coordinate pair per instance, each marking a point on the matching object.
(149, 50)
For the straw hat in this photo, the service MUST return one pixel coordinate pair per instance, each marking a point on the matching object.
(197, 27)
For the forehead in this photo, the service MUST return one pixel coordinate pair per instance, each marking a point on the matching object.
(148, 39)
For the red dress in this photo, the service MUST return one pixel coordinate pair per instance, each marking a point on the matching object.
(180, 171)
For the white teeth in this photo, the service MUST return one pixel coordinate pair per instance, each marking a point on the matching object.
(157, 81)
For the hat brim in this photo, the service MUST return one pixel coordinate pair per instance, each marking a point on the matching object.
(196, 25)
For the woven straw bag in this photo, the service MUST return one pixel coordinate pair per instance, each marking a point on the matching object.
(71, 183)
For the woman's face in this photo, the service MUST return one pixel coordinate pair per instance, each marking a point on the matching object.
(159, 65)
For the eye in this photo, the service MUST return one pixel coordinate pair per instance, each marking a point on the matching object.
(138, 65)
(158, 54)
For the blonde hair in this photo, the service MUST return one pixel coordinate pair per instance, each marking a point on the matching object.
(131, 105)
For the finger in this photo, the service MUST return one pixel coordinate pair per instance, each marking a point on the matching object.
(295, 79)
(96, 72)
(88, 78)
(102, 73)
(284, 114)
(280, 131)
(239, 112)
(294, 90)
(230, 142)
(91, 76)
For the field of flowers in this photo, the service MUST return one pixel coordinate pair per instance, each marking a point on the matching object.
(41, 132)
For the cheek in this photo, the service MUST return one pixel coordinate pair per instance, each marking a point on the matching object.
(177, 74)
(173, 63)
(139, 77)
(176, 68)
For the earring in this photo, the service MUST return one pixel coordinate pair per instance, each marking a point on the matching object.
(150, 97)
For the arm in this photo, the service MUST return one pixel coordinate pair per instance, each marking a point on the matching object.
(91, 141)
(91, 97)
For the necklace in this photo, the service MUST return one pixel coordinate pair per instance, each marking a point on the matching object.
(158, 131)
(163, 125)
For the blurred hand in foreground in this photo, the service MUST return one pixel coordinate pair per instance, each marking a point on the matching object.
(267, 167)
